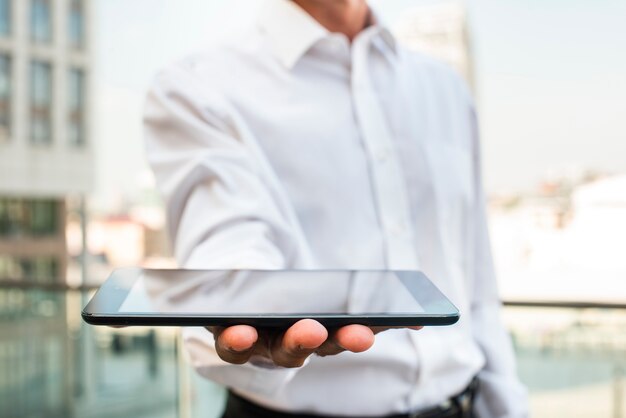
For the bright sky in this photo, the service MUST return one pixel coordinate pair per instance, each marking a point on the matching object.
(551, 80)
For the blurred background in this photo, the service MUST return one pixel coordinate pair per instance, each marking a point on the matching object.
(77, 198)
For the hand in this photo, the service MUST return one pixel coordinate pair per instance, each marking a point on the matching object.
(237, 344)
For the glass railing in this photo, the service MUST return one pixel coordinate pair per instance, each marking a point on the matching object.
(54, 365)
(573, 360)
(572, 357)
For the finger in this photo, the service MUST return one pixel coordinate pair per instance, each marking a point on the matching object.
(355, 338)
(236, 344)
(297, 343)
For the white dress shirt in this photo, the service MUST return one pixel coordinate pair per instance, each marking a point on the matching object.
(287, 146)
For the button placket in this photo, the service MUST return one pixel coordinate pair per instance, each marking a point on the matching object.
(388, 181)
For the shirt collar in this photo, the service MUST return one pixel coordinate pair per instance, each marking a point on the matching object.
(292, 31)
(386, 35)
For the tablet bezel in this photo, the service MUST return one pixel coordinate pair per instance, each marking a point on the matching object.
(103, 309)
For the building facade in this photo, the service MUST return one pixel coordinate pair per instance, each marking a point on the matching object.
(45, 154)
(441, 30)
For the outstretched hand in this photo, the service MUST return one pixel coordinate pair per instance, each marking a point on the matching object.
(290, 348)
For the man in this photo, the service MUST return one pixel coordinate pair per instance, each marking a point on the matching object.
(313, 140)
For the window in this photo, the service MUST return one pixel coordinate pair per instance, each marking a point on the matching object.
(76, 104)
(5, 17)
(76, 23)
(28, 217)
(40, 21)
(5, 97)
(43, 217)
(40, 102)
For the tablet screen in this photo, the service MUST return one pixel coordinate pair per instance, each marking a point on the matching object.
(257, 293)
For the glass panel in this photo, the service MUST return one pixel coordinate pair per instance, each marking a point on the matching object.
(76, 22)
(76, 94)
(53, 365)
(40, 21)
(41, 99)
(208, 405)
(28, 217)
(565, 355)
(5, 17)
(5, 97)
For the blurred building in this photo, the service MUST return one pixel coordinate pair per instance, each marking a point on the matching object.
(45, 157)
(439, 30)
(45, 154)
(564, 245)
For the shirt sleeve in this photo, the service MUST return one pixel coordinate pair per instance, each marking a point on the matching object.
(500, 392)
(222, 210)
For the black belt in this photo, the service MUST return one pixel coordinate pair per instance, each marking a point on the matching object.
(459, 406)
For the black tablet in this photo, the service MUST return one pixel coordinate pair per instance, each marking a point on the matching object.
(268, 298)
